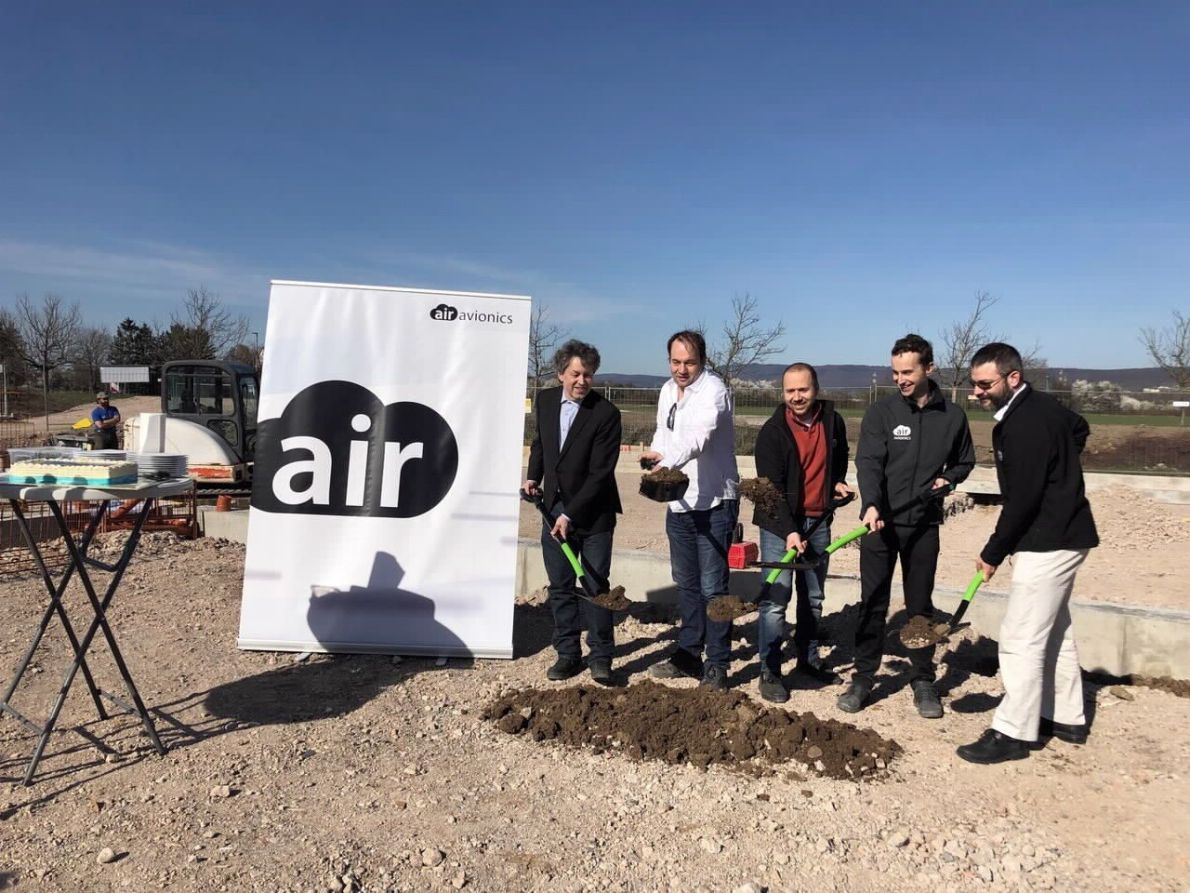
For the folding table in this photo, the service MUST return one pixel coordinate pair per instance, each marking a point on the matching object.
(77, 563)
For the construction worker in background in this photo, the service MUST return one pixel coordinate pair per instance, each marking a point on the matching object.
(105, 423)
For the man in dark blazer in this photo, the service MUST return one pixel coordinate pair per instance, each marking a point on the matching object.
(572, 464)
(1046, 525)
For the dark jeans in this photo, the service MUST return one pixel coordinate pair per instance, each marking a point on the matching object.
(917, 547)
(566, 606)
(103, 439)
(698, 544)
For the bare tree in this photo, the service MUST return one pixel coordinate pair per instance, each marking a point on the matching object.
(248, 354)
(92, 349)
(961, 339)
(1170, 348)
(543, 338)
(48, 334)
(745, 341)
(209, 322)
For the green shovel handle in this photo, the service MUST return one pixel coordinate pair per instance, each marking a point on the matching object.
(973, 586)
(579, 573)
(776, 572)
(849, 537)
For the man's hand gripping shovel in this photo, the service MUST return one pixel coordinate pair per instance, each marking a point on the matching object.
(597, 593)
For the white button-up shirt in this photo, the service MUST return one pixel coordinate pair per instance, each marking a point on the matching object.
(702, 442)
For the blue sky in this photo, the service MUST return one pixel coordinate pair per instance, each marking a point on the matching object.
(861, 169)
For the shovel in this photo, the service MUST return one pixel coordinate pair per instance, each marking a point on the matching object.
(811, 561)
(786, 563)
(588, 591)
(925, 636)
(972, 588)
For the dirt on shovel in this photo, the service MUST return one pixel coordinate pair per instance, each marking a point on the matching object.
(763, 493)
(649, 721)
(723, 608)
(615, 600)
(920, 632)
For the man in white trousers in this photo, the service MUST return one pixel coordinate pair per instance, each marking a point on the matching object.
(1046, 525)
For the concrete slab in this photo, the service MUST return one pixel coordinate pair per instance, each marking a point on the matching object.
(231, 525)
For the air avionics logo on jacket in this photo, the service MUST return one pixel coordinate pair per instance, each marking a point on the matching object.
(902, 432)
(337, 450)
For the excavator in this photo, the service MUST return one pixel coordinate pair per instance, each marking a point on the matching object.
(208, 412)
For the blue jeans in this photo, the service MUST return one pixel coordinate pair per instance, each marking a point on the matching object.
(810, 595)
(698, 544)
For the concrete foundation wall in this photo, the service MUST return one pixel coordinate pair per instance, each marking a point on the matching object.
(1111, 638)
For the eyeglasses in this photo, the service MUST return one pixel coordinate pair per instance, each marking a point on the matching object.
(669, 422)
(985, 385)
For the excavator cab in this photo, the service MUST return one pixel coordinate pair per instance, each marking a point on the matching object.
(219, 396)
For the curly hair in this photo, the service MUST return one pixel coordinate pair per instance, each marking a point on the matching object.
(575, 348)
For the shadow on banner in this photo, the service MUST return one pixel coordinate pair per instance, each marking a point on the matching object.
(380, 616)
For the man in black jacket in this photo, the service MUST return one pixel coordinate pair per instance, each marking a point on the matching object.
(909, 443)
(802, 450)
(1046, 523)
(572, 463)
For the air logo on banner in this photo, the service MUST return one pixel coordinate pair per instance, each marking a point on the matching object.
(337, 449)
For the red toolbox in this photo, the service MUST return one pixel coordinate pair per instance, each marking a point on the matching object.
(740, 555)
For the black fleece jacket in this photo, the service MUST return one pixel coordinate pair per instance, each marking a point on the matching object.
(904, 447)
(777, 459)
(1045, 507)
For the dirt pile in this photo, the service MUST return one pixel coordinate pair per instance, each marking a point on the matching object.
(154, 544)
(615, 600)
(664, 485)
(649, 721)
(763, 493)
(723, 608)
(1178, 687)
(921, 632)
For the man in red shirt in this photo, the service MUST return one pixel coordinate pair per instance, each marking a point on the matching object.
(802, 449)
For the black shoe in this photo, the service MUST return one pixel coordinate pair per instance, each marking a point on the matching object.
(714, 678)
(564, 668)
(601, 670)
(925, 699)
(856, 696)
(1071, 734)
(772, 688)
(993, 747)
(817, 674)
(681, 663)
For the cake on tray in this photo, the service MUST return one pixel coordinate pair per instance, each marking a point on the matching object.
(72, 472)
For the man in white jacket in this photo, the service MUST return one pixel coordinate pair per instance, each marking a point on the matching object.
(696, 435)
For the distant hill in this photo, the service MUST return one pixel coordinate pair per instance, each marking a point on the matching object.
(843, 376)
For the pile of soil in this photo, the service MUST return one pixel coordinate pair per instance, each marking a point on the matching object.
(664, 485)
(1178, 687)
(615, 600)
(649, 721)
(920, 632)
(723, 608)
(763, 493)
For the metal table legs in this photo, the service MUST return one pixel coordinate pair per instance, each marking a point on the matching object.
(78, 563)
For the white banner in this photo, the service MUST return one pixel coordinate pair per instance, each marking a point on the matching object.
(384, 507)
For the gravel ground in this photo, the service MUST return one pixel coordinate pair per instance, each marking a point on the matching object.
(365, 773)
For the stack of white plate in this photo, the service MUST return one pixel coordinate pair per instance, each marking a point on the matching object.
(111, 455)
(159, 466)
